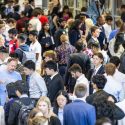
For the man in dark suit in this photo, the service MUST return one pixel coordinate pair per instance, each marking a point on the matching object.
(21, 92)
(99, 82)
(98, 68)
(79, 58)
(79, 112)
(95, 32)
(55, 82)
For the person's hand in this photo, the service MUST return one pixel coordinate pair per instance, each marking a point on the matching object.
(111, 99)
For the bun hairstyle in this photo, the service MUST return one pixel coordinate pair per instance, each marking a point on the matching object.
(32, 115)
(40, 121)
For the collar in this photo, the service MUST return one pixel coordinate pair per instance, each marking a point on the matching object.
(98, 68)
(32, 74)
(81, 77)
(95, 39)
(23, 96)
(34, 42)
(80, 99)
(53, 75)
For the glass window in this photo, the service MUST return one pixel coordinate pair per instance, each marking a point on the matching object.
(71, 3)
(64, 2)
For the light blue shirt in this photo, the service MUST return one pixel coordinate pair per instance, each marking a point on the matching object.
(114, 88)
(37, 86)
(6, 78)
(60, 115)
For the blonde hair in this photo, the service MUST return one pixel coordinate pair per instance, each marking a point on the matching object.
(40, 121)
(2, 24)
(89, 23)
(32, 115)
(50, 53)
(64, 38)
(47, 101)
(44, 99)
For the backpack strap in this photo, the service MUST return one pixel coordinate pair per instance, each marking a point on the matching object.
(19, 103)
(20, 50)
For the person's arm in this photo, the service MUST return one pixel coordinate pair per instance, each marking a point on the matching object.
(38, 51)
(92, 116)
(55, 21)
(39, 26)
(121, 94)
(37, 56)
(42, 86)
(55, 120)
(118, 113)
(88, 65)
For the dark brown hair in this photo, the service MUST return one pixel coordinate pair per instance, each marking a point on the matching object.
(75, 68)
(110, 69)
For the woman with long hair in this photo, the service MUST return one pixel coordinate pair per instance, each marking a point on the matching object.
(45, 38)
(44, 105)
(74, 32)
(34, 113)
(61, 100)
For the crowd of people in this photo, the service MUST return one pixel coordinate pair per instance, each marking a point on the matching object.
(57, 68)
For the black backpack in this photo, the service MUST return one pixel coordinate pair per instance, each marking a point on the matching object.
(24, 112)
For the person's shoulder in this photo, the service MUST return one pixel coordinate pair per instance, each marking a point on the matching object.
(37, 44)
(89, 99)
(88, 106)
(37, 76)
(68, 106)
(17, 73)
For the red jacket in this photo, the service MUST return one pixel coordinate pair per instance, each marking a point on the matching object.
(13, 45)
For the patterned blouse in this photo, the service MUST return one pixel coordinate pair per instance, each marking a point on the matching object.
(63, 52)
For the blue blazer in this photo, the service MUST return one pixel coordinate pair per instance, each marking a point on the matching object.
(79, 113)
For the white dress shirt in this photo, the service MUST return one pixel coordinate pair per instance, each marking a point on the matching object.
(83, 79)
(36, 48)
(108, 30)
(114, 88)
(53, 75)
(120, 77)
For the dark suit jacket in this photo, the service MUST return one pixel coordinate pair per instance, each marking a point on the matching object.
(79, 58)
(79, 113)
(91, 71)
(90, 75)
(54, 121)
(54, 86)
(14, 110)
